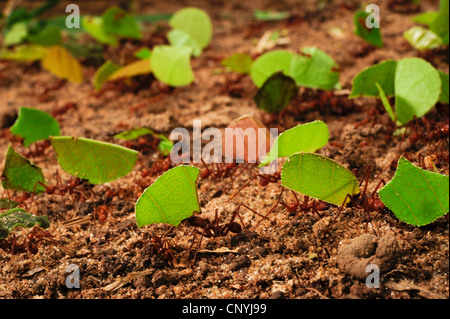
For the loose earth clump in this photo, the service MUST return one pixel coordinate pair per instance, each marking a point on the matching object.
(307, 253)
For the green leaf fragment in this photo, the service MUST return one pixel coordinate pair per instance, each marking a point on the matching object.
(6, 203)
(171, 65)
(266, 15)
(18, 217)
(444, 97)
(385, 101)
(422, 39)
(196, 23)
(170, 199)
(270, 63)
(133, 133)
(370, 35)
(416, 196)
(180, 38)
(94, 26)
(118, 22)
(98, 162)
(239, 62)
(319, 177)
(382, 73)
(20, 174)
(34, 125)
(308, 138)
(103, 73)
(276, 93)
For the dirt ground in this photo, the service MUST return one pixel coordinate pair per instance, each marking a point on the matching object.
(289, 256)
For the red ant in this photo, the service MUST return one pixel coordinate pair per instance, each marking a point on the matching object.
(28, 245)
(219, 170)
(159, 166)
(39, 148)
(101, 213)
(145, 144)
(163, 247)
(212, 229)
(264, 180)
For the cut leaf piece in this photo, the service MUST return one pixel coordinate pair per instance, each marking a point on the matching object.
(306, 138)
(170, 199)
(385, 101)
(270, 63)
(18, 217)
(34, 125)
(382, 73)
(276, 93)
(444, 97)
(319, 177)
(179, 38)
(5, 203)
(370, 35)
(98, 162)
(20, 174)
(416, 196)
(103, 73)
(239, 62)
(59, 62)
(134, 133)
(417, 88)
(119, 22)
(314, 68)
(422, 39)
(24, 53)
(94, 26)
(195, 22)
(171, 65)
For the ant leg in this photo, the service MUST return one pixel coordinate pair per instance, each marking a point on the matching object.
(348, 196)
(243, 187)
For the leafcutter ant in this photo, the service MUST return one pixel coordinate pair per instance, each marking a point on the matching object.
(30, 244)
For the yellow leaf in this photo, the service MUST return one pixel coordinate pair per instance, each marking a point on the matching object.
(135, 68)
(59, 62)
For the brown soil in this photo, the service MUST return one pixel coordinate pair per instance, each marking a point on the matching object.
(290, 256)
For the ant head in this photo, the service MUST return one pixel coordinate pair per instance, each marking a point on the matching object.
(197, 221)
(292, 207)
(263, 181)
(235, 228)
(204, 173)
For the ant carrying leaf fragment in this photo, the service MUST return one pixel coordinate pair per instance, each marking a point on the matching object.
(18, 217)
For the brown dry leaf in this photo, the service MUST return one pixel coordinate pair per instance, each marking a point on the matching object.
(221, 250)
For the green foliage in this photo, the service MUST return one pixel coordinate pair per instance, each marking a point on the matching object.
(195, 23)
(370, 35)
(23, 53)
(276, 93)
(94, 26)
(266, 15)
(415, 84)
(170, 199)
(308, 138)
(319, 177)
(116, 21)
(238, 62)
(98, 162)
(7, 204)
(416, 196)
(104, 73)
(171, 65)
(164, 146)
(422, 39)
(34, 125)
(444, 97)
(312, 68)
(18, 217)
(20, 174)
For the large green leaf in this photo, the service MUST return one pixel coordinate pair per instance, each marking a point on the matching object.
(416, 196)
(315, 69)
(319, 177)
(171, 65)
(276, 93)
(170, 199)
(308, 138)
(98, 162)
(270, 63)
(34, 125)
(18, 217)
(20, 174)
(195, 22)
(417, 88)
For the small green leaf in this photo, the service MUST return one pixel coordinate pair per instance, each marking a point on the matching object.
(314, 68)
(444, 97)
(382, 73)
(266, 15)
(118, 22)
(195, 22)
(98, 162)
(239, 62)
(16, 34)
(422, 39)
(308, 138)
(270, 63)
(319, 177)
(416, 196)
(144, 53)
(20, 174)
(417, 88)
(370, 35)
(276, 93)
(133, 133)
(103, 73)
(50, 35)
(19, 217)
(94, 26)
(138, 67)
(23, 53)
(34, 125)
(180, 38)
(171, 65)
(170, 199)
